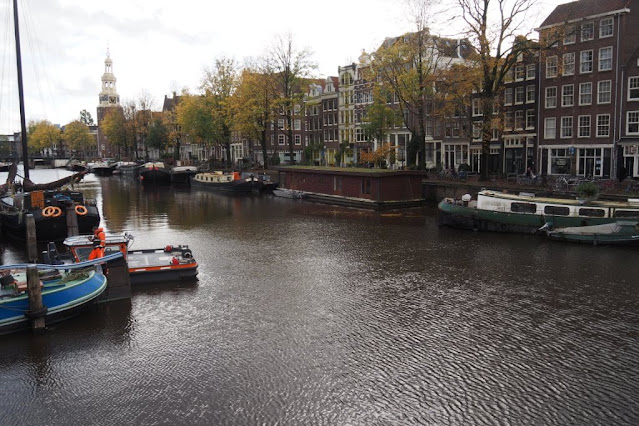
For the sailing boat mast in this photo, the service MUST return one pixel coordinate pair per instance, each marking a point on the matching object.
(23, 125)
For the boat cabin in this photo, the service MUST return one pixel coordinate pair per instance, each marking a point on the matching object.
(81, 246)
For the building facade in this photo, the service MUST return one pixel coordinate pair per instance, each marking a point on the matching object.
(108, 99)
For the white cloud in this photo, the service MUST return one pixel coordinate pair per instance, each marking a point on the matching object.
(159, 46)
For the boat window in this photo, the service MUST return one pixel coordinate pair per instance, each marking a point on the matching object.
(523, 207)
(557, 210)
(626, 213)
(592, 212)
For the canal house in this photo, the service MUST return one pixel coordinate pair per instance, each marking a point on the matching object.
(378, 189)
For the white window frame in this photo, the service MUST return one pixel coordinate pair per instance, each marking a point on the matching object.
(607, 60)
(601, 127)
(600, 92)
(530, 72)
(583, 128)
(567, 96)
(550, 132)
(297, 139)
(509, 96)
(519, 120)
(570, 36)
(547, 98)
(297, 124)
(586, 66)
(583, 92)
(634, 115)
(530, 93)
(587, 31)
(477, 112)
(569, 63)
(530, 119)
(565, 129)
(551, 66)
(519, 95)
(520, 73)
(603, 24)
(281, 139)
(633, 88)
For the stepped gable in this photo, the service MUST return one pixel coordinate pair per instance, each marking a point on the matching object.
(583, 9)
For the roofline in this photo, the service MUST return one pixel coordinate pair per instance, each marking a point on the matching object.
(599, 15)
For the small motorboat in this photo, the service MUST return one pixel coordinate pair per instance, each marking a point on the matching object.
(622, 232)
(66, 291)
(169, 263)
(289, 193)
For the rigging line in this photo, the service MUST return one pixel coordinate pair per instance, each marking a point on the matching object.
(6, 86)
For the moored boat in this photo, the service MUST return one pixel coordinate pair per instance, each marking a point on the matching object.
(289, 193)
(527, 213)
(169, 263)
(104, 167)
(227, 183)
(622, 232)
(182, 174)
(65, 292)
(155, 173)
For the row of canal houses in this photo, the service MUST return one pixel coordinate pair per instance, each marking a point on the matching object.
(571, 109)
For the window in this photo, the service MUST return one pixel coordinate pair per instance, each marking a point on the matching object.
(633, 88)
(569, 63)
(570, 36)
(477, 129)
(585, 64)
(523, 207)
(280, 124)
(530, 93)
(280, 139)
(566, 127)
(550, 125)
(508, 96)
(605, 59)
(603, 91)
(632, 123)
(585, 93)
(584, 126)
(587, 31)
(520, 73)
(519, 119)
(530, 119)
(508, 120)
(592, 212)
(297, 125)
(530, 72)
(567, 95)
(551, 97)
(298, 139)
(605, 27)
(603, 125)
(551, 67)
(366, 185)
(557, 210)
(519, 95)
(477, 107)
(626, 213)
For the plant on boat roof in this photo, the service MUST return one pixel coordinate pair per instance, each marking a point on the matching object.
(587, 191)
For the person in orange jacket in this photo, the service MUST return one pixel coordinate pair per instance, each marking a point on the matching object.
(98, 250)
(99, 237)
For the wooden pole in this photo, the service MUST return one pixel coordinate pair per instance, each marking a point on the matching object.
(37, 311)
(32, 241)
(72, 221)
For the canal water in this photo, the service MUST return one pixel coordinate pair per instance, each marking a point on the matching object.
(309, 314)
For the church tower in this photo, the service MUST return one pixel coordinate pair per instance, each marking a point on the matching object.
(108, 99)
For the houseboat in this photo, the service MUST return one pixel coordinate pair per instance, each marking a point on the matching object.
(527, 213)
(155, 173)
(231, 183)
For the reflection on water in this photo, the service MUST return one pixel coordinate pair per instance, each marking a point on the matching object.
(314, 314)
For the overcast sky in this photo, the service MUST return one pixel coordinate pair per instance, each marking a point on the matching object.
(160, 46)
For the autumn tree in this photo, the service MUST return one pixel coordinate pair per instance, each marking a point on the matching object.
(78, 137)
(252, 104)
(380, 156)
(43, 135)
(85, 118)
(409, 68)
(142, 118)
(116, 128)
(291, 67)
(158, 134)
(218, 84)
(195, 118)
(380, 117)
(495, 29)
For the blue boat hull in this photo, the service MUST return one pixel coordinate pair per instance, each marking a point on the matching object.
(62, 301)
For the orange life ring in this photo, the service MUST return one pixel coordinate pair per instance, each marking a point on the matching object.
(55, 211)
(47, 211)
(81, 210)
